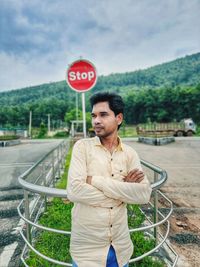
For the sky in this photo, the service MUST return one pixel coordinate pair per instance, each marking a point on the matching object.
(39, 39)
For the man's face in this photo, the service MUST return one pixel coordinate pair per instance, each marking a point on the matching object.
(104, 121)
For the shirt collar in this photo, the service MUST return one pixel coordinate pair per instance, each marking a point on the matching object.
(120, 146)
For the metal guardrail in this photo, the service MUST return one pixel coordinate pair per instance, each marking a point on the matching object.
(40, 180)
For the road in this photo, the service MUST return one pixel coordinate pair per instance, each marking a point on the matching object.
(181, 160)
(16, 159)
(13, 162)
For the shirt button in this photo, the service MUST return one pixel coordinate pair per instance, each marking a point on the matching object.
(111, 208)
(112, 174)
(111, 225)
(110, 241)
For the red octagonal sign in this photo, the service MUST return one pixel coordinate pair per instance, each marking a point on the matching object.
(81, 75)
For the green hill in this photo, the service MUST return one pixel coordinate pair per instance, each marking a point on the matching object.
(57, 98)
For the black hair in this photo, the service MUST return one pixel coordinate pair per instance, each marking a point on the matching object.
(115, 101)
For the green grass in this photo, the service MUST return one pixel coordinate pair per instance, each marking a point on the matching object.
(198, 130)
(58, 215)
(62, 184)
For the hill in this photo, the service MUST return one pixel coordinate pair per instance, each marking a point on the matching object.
(57, 98)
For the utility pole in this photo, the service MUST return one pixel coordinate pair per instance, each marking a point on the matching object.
(49, 129)
(30, 123)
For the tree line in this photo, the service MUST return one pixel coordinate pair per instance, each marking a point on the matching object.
(156, 105)
(165, 92)
(163, 105)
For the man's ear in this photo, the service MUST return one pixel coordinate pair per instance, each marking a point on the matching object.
(119, 118)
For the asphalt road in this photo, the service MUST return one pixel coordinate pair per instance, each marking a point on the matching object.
(14, 160)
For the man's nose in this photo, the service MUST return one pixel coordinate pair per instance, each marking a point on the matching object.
(97, 120)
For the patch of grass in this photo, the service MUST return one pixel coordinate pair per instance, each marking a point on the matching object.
(53, 245)
(61, 134)
(58, 216)
(198, 130)
(62, 183)
(142, 243)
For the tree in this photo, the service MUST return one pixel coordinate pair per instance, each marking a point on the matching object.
(43, 130)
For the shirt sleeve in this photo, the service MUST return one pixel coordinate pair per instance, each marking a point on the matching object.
(77, 188)
(132, 193)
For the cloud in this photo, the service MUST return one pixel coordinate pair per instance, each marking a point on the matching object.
(39, 38)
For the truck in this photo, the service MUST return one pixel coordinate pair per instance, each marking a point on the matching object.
(185, 127)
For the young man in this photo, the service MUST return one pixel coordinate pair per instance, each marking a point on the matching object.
(104, 176)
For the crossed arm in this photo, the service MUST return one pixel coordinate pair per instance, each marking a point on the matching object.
(105, 191)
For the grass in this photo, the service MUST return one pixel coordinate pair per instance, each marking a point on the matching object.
(58, 215)
(198, 130)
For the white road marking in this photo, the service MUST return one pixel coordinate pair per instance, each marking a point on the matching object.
(7, 254)
(15, 164)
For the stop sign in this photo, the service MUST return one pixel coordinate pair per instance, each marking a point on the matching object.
(81, 75)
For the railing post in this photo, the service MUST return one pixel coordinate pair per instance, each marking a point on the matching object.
(53, 168)
(45, 183)
(59, 165)
(155, 215)
(62, 154)
(27, 216)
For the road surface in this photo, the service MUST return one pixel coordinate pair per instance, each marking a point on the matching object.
(181, 160)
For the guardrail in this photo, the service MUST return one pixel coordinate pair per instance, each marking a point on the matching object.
(38, 183)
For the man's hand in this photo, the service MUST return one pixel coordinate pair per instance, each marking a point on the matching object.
(89, 180)
(134, 176)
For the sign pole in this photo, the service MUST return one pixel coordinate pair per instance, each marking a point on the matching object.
(84, 117)
(81, 76)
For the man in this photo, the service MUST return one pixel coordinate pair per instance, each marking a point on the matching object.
(104, 176)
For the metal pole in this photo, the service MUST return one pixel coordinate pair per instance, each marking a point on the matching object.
(53, 168)
(27, 216)
(58, 160)
(49, 128)
(30, 123)
(155, 209)
(45, 184)
(76, 109)
(84, 116)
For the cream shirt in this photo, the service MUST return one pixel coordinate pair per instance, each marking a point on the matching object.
(99, 215)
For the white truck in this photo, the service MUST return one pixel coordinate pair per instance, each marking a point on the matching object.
(186, 127)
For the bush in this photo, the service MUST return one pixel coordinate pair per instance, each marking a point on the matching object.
(43, 131)
(61, 134)
(8, 137)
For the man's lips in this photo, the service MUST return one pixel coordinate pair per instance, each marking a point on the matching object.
(98, 128)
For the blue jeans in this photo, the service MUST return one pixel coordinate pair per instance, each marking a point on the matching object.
(111, 259)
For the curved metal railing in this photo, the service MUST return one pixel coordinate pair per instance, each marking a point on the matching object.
(42, 185)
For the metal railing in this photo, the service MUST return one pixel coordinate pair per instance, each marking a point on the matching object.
(38, 183)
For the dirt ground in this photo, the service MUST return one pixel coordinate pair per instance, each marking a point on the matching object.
(181, 160)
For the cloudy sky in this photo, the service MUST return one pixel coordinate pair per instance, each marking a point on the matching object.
(38, 39)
